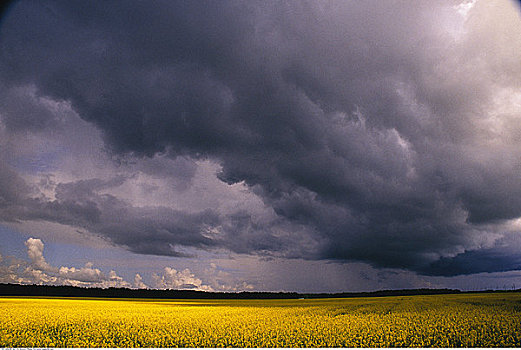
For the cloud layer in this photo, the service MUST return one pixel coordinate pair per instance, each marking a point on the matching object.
(39, 271)
(380, 132)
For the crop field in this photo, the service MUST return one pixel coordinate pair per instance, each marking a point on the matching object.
(471, 320)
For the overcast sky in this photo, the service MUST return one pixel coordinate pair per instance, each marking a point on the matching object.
(261, 145)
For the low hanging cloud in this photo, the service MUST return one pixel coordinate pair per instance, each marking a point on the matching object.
(217, 280)
(385, 133)
(173, 279)
(35, 253)
(157, 230)
(138, 282)
(41, 272)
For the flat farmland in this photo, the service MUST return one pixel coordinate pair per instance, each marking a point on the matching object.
(459, 320)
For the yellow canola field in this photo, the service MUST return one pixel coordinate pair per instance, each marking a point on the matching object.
(473, 320)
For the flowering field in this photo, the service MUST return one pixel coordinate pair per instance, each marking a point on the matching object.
(472, 320)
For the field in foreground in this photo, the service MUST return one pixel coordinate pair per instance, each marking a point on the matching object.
(470, 320)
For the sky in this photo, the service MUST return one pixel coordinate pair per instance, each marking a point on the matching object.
(261, 145)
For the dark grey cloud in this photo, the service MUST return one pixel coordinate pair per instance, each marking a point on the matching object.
(152, 230)
(22, 109)
(12, 187)
(502, 257)
(371, 125)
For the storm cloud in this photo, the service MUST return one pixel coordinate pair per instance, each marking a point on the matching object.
(381, 132)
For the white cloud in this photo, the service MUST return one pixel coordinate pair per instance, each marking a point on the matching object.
(221, 280)
(39, 271)
(464, 8)
(35, 253)
(173, 279)
(211, 279)
(138, 282)
(84, 274)
(11, 269)
(115, 281)
(34, 276)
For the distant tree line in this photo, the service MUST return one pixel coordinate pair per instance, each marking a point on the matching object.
(69, 291)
